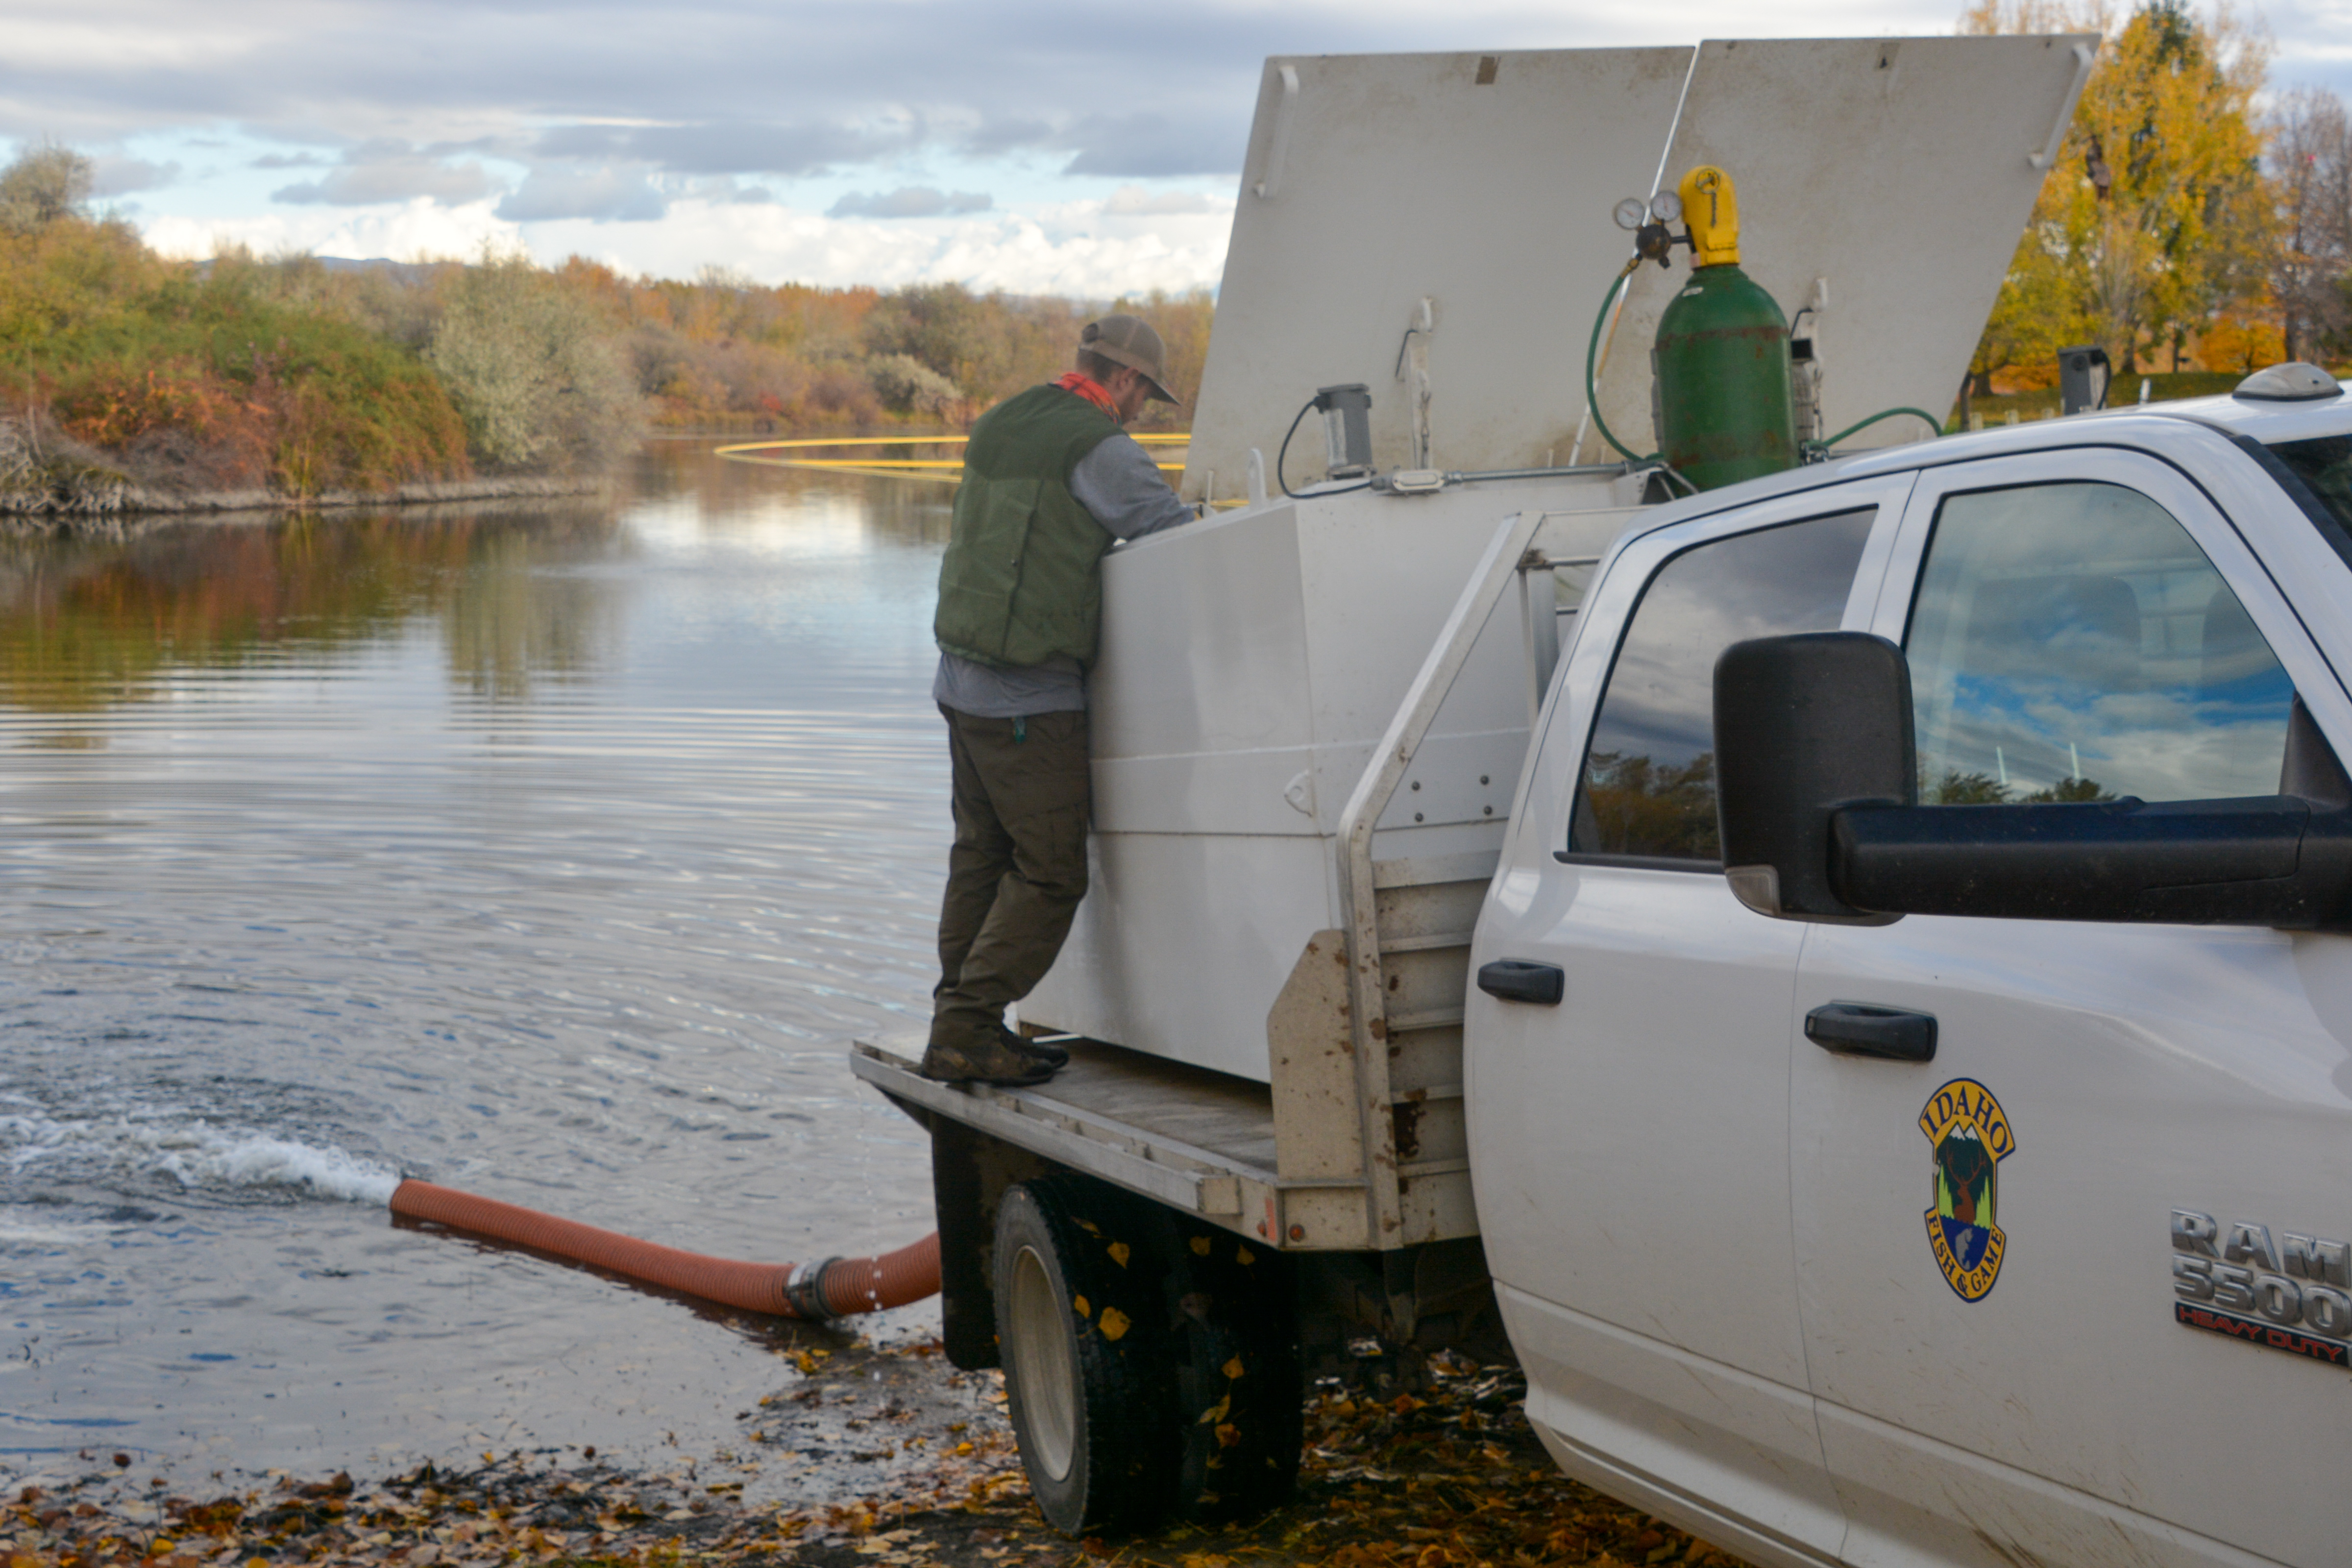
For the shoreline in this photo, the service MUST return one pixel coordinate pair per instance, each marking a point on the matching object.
(1446, 1478)
(102, 510)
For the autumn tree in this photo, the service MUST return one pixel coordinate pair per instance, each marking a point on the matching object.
(531, 368)
(2155, 216)
(907, 386)
(2311, 258)
(939, 325)
(45, 183)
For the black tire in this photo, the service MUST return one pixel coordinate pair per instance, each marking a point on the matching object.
(1236, 1378)
(1079, 1275)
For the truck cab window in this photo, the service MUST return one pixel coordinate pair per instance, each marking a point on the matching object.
(2325, 465)
(2070, 642)
(1648, 787)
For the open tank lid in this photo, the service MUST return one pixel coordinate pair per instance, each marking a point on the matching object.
(1900, 170)
(1479, 183)
(1883, 181)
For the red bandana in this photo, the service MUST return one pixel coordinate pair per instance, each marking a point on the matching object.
(1090, 389)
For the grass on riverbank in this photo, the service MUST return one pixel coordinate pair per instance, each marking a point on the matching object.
(154, 373)
(1452, 1478)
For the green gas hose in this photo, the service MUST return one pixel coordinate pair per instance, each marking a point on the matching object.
(1935, 427)
(1592, 398)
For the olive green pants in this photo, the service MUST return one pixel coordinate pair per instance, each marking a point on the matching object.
(1023, 797)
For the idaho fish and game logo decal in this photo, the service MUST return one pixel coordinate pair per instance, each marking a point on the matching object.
(1971, 1136)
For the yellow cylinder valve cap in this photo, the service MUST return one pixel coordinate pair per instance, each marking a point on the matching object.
(1711, 207)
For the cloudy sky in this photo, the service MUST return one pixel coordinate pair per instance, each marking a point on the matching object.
(1065, 146)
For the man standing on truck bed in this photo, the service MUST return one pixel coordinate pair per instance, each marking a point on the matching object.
(1050, 482)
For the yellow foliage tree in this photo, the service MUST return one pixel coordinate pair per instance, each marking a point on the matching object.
(2240, 343)
(2155, 218)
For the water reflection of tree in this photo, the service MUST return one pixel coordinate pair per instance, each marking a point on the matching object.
(87, 626)
(508, 621)
(908, 512)
(902, 510)
(1641, 807)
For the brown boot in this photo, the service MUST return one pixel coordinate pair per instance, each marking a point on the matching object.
(991, 1061)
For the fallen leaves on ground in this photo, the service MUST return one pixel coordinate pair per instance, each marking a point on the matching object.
(1447, 1477)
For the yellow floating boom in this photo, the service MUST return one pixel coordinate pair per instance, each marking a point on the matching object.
(895, 467)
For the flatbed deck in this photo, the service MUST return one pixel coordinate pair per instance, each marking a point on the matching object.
(1202, 1141)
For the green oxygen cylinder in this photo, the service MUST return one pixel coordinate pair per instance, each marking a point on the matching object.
(1724, 406)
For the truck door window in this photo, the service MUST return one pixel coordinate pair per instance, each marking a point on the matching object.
(1648, 792)
(2070, 642)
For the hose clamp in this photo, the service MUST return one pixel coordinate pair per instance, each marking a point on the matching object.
(804, 1291)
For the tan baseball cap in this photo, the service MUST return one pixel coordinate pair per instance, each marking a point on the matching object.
(1130, 340)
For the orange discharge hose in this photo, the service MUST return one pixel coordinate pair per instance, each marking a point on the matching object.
(833, 1288)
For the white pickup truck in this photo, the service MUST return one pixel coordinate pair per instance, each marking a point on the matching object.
(1887, 1065)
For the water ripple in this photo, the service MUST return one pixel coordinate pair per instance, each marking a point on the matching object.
(553, 854)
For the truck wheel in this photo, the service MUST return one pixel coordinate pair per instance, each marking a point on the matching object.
(1237, 1378)
(1081, 1320)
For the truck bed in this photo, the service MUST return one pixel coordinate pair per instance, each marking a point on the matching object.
(1358, 1139)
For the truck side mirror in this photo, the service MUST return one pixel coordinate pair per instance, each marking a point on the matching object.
(1817, 796)
(1806, 726)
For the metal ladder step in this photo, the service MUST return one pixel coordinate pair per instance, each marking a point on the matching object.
(1424, 943)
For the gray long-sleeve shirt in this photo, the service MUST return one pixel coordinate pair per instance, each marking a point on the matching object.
(1123, 490)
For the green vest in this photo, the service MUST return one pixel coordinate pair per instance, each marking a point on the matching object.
(1021, 578)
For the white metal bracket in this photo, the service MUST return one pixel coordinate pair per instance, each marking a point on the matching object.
(1271, 175)
(2049, 154)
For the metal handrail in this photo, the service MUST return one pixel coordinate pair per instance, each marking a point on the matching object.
(1541, 623)
(1359, 899)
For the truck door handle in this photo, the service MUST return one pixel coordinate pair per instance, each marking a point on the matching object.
(1516, 980)
(1858, 1029)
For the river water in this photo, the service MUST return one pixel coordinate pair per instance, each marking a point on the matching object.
(554, 853)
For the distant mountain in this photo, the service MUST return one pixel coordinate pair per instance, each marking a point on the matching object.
(408, 272)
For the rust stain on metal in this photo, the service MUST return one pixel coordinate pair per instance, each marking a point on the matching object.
(1407, 1128)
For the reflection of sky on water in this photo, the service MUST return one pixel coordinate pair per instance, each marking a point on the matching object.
(780, 527)
(2075, 631)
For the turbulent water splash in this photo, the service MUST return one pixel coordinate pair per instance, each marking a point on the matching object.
(196, 1155)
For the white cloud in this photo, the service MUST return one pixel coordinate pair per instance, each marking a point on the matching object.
(609, 195)
(118, 176)
(1134, 200)
(422, 228)
(374, 175)
(1067, 249)
(95, 40)
(1042, 254)
(910, 201)
(596, 117)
